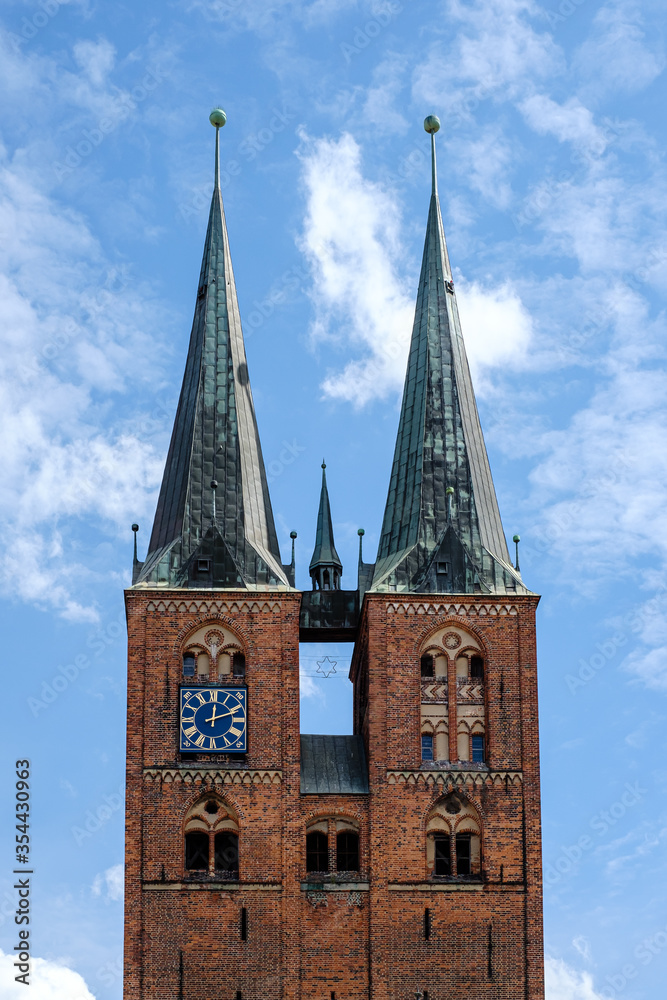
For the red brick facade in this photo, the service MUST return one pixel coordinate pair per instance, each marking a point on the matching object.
(365, 935)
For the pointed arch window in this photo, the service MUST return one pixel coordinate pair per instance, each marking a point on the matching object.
(211, 840)
(454, 840)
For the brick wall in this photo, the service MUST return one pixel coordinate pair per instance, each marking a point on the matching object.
(310, 938)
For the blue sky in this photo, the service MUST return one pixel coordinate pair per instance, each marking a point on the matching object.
(553, 187)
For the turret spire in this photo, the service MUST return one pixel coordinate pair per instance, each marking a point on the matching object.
(325, 567)
(441, 531)
(222, 536)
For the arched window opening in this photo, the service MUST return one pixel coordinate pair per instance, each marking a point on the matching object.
(196, 851)
(226, 852)
(326, 580)
(427, 665)
(347, 851)
(212, 652)
(453, 839)
(317, 852)
(238, 665)
(211, 839)
(477, 667)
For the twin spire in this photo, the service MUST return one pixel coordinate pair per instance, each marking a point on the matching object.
(214, 525)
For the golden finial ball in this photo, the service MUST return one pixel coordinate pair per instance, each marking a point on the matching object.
(432, 123)
(217, 117)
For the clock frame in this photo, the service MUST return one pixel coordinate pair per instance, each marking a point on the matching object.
(213, 719)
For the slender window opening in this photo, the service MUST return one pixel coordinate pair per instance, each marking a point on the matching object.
(427, 747)
(227, 852)
(477, 667)
(347, 851)
(317, 852)
(427, 924)
(238, 665)
(188, 665)
(244, 924)
(427, 665)
(463, 854)
(442, 859)
(478, 749)
(196, 851)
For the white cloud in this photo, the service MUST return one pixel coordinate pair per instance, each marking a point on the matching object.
(497, 327)
(110, 883)
(381, 107)
(96, 59)
(569, 122)
(75, 335)
(484, 161)
(494, 49)
(49, 980)
(351, 238)
(617, 57)
(564, 983)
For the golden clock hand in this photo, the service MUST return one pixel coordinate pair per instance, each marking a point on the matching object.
(214, 718)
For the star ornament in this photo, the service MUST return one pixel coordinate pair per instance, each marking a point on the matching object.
(327, 666)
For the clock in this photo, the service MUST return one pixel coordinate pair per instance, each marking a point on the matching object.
(214, 719)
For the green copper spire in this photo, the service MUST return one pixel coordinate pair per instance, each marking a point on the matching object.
(441, 531)
(214, 525)
(325, 567)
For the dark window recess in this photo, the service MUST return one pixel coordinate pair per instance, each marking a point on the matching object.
(244, 924)
(239, 995)
(442, 568)
(476, 666)
(203, 565)
(317, 852)
(478, 749)
(347, 851)
(442, 861)
(196, 851)
(238, 665)
(425, 995)
(188, 665)
(427, 748)
(463, 854)
(427, 924)
(427, 665)
(211, 807)
(227, 852)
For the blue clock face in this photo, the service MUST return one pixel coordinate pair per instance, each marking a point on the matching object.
(214, 720)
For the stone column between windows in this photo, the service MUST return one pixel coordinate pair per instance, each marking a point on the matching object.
(452, 704)
(331, 843)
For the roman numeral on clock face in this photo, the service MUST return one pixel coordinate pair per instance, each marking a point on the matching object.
(191, 731)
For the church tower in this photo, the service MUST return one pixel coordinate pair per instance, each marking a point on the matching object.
(400, 861)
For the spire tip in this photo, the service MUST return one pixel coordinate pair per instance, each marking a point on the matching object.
(218, 117)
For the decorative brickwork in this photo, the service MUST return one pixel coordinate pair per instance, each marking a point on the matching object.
(359, 934)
